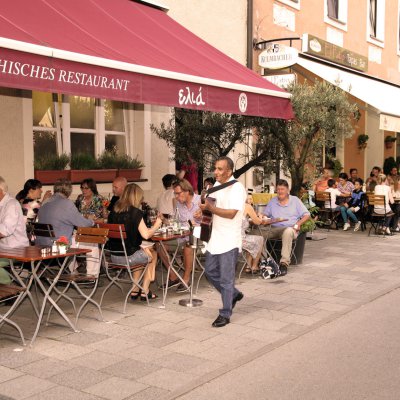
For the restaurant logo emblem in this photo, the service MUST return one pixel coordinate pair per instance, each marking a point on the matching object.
(242, 102)
(187, 96)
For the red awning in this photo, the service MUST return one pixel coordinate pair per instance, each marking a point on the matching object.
(124, 50)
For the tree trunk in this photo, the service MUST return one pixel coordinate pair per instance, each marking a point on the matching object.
(297, 175)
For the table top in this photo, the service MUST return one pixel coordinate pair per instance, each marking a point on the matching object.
(170, 236)
(33, 253)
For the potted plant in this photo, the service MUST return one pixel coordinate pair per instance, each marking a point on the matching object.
(389, 140)
(84, 166)
(50, 167)
(129, 167)
(62, 244)
(362, 141)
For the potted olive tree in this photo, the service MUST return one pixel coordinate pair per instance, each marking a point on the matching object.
(50, 167)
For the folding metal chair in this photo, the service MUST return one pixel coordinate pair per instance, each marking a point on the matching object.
(122, 273)
(84, 236)
(378, 220)
(244, 262)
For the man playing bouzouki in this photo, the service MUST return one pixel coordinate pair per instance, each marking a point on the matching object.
(226, 239)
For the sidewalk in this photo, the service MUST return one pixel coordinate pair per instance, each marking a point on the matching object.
(154, 353)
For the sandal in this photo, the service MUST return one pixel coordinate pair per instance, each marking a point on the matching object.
(135, 295)
(252, 270)
(248, 270)
(149, 295)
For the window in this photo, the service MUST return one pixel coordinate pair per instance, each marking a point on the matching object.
(292, 3)
(376, 22)
(45, 129)
(76, 124)
(333, 9)
(336, 13)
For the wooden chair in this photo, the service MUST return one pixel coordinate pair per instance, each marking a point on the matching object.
(88, 236)
(378, 220)
(11, 293)
(119, 274)
(322, 199)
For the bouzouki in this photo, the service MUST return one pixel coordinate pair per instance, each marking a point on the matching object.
(206, 221)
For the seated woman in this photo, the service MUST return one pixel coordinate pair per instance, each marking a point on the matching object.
(383, 189)
(90, 202)
(30, 199)
(253, 244)
(127, 211)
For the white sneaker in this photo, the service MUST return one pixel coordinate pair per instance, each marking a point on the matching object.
(357, 226)
(387, 230)
(346, 226)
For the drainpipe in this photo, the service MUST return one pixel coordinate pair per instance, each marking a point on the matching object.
(250, 34)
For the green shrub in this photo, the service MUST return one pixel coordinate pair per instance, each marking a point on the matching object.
(52, 162)
(83, 161)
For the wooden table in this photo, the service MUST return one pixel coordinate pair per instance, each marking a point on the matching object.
(33, 256)
(162, 239)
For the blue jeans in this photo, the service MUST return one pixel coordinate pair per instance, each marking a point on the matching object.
(347, 213)
(220, 271)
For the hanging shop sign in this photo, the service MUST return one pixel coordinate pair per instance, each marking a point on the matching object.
(277, 56)
(281, 80)
(389, 123)
(322, 49)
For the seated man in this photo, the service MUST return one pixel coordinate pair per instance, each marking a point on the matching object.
(118, 186)
(12, 227)
(187, 204)
(291, 209)
(62, 214)
(12, 223)
(334, 191)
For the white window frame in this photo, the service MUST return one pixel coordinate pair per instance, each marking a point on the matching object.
(63, 127)
(291, 3)
(341, 22)
(379, 40)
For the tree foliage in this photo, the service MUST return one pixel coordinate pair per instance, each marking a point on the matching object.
(323, 116)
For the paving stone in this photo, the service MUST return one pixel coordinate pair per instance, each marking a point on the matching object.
(130, 369)
(116, 388)
(300, 310)
(79, 378)
(196, 334)
(151, 393)
(64, 351)
(24, 386)
(63, 393)
(179, 362)
(45, 368)
(331, 306)
(83, 338)
(7, 374)
(186, 346)
(167, 379)
(13, 359)
(97, 360)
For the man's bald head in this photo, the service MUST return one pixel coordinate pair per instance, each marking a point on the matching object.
(118, 185)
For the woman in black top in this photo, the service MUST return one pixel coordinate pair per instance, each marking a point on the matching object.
(126, 211)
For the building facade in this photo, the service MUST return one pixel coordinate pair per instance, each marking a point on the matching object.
(35, 121)
(356, 42)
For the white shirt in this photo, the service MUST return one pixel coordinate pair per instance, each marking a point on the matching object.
(226, 233)
(12, 224)
(386, 191)
(334, 193)
(165, 203)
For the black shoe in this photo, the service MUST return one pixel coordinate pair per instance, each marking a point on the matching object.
(183, 288)
(220, 322)
(237, 298)
(171, 284)
(283, 269)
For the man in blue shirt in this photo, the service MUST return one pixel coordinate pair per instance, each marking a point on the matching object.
(293, 214)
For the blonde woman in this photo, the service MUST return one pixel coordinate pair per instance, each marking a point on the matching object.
(253, 244)
(127, 211)
(382, 188)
